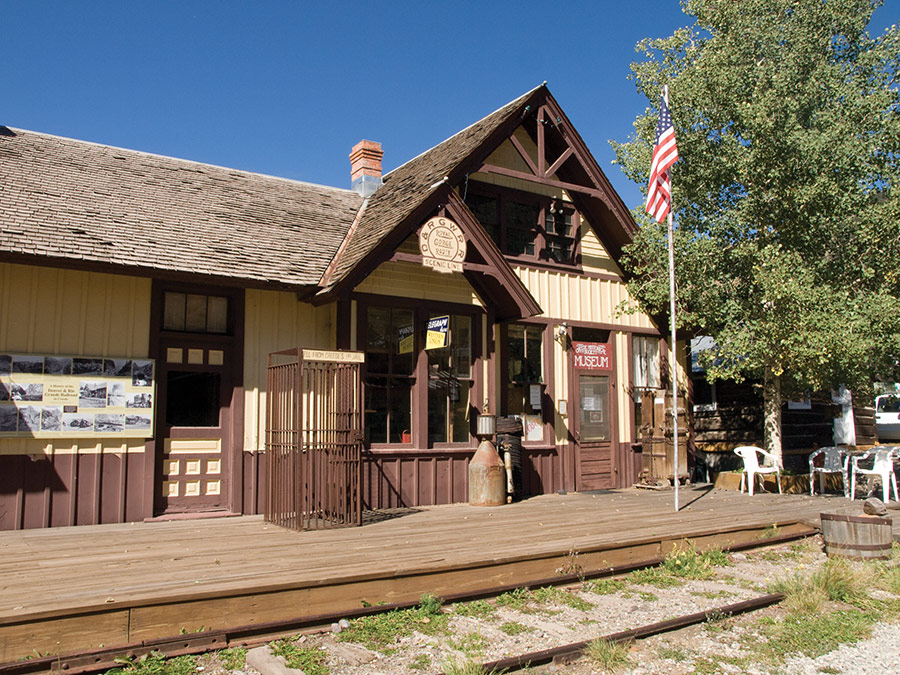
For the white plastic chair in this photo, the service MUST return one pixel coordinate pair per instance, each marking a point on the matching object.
(835, 461)
(748, 453)
(883, 467)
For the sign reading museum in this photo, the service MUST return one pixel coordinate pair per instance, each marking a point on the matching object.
(69, 396)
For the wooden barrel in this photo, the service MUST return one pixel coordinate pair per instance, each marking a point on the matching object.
(857, 537)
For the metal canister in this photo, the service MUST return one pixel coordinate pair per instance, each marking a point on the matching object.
(487, 477)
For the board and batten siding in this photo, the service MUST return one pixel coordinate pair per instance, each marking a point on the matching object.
(71, 481)
(274, 321)
(408, 280)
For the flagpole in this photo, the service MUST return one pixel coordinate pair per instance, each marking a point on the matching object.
(673, 367)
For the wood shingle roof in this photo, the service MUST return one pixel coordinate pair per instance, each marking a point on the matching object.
(408, 186)
(76, 201)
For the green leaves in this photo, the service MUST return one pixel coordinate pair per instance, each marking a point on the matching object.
(787, 119)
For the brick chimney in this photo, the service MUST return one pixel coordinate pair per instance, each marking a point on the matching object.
(365, 167)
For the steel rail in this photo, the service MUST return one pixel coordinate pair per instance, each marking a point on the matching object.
(575, 649)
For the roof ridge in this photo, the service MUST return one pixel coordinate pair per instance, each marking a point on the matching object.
(145, 153)
(462, 131)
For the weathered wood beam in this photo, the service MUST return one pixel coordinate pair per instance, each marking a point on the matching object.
(467, 266)
(571, 187)
(559, 162)
(517, 144)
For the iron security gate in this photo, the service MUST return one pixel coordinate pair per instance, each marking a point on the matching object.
(313, 439)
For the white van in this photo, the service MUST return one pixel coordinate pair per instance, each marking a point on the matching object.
(887, 417)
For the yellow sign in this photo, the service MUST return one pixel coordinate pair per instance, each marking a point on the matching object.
(437, 331)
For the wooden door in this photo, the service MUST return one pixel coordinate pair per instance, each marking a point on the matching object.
(198, 423)
(593, 416)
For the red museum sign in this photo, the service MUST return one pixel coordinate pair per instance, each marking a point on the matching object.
(592, 356)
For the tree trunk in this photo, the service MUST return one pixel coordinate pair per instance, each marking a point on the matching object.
(772, 412)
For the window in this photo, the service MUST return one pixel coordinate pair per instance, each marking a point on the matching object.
(528, 226)
(450, 385)
(645, 371)
(646, 362)
(593, 395)
(390, 359)
(524, 368)
(414, 394)
(192, 399)
(194, 313)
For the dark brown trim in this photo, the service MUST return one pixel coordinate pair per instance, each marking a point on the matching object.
(589, 324)
(550, 182)
(158, 274)
(509, 283)
(343, 316)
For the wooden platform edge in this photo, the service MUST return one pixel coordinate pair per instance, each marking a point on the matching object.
(85, 629)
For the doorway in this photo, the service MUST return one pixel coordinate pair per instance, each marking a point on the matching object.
(594, 415)
(199, 379)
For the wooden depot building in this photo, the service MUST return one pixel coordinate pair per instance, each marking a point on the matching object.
(141, 297)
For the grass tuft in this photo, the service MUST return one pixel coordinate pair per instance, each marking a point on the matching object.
(608, 656)
(156, 663)
(477, 609)
(604, 586)
(311, 660)
(380, 631)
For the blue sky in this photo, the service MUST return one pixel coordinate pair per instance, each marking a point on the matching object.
(287, 88)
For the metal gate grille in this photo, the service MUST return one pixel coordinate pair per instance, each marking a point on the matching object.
(313, 439)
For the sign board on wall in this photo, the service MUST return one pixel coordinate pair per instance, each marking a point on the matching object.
(591, 356)
(75, 396)
(442, 245)
(436, 331)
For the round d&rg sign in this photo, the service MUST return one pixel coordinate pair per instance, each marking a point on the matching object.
(443, 245)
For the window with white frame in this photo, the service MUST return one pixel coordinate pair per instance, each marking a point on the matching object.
(646, 362)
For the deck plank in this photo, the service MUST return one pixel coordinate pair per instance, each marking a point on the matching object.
(211, 568)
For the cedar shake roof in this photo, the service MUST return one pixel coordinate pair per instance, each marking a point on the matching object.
(78, 201)
(406, 187)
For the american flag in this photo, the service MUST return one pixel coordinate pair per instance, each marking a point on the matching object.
(665, 154)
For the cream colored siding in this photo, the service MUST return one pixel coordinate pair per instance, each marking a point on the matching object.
(594, 257)
(54, 311)
(274, 321)
(623, 377)
(561, 387)
(407, 280)
(569, 297)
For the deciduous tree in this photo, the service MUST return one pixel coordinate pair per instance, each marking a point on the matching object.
(786, 202)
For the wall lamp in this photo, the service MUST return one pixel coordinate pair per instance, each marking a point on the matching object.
(562, 335)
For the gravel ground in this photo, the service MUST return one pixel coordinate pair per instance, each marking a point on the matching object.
(552, 619)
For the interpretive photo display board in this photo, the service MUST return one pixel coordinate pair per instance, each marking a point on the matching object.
(75, 396)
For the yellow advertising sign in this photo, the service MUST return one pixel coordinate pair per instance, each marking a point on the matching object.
(437, 331)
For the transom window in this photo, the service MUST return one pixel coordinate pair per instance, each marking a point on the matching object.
(527, 226)
(195, 313)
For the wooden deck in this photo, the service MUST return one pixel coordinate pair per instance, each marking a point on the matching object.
(73, 589)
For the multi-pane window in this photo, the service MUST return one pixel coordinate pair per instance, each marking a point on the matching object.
(645, 371)
(524, 368)
(195, 313)
(646, 362)
(390, 361)
(527, 226)
(450, 381)
(559, 237)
